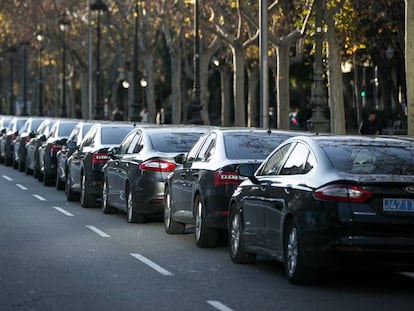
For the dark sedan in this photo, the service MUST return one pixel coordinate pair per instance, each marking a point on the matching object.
(134, 177)
(8, 138)
(84, 176)
(321, 201)
(199, 192)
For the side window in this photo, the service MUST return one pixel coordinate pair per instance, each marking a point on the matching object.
(273, 164)
(207, 149)
(136, 144)
(125, 144)
(88, 139)
(74, 135)
(194, 151)
(296, 161)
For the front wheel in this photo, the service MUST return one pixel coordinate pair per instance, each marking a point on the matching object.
(204, 236)
(296, 270)
(106, 208)
(132, 214)
(238, 252)
(87, 199)
(70, 194)
(170, 225)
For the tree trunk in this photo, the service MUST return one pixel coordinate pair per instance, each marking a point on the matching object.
(149, 90)
(238, 86)
(225, 79)
(204, 92)
(409, 63)
(336, 93)
(282, 86)
(176, 98)
(252, 102)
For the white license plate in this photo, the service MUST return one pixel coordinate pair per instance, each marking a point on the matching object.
(398, 205)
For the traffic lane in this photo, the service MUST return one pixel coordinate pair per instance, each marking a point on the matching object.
(208, 279)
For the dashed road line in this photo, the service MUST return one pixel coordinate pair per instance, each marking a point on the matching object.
(63, 211)
(21, 186)
(7, 178)
(98, 231)
(218, 305)
(39, 197)
(152, 264)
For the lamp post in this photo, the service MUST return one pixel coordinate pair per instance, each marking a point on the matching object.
(98, 6)
(24, 46)
(135, 103)
(12, 52)
(40, 38)
(318, 122)
(63, 25)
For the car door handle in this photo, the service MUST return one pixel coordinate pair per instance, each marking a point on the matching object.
(182, 175)
(288, 189)
(196, 175)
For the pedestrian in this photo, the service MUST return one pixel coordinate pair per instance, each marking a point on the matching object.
(78, 112)
(161, 116)
(117, 115)
(370, 126)
(144, 115)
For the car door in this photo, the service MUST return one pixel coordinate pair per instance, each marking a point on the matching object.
(179, 183)
(259, 198)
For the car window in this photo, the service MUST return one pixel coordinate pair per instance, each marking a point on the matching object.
(296, 162)
(192, 154)
(74, 134)
(65, 129)
(208, 148)
(114, 135)
(126, 143)
(275, 161)
(89, 138)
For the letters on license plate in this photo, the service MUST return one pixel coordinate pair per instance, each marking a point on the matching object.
(398, 205)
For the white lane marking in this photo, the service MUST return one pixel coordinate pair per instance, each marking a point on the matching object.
(7, 178)
(64, 212)
(218, 305)
(152, 264)
(39, 197)
(21, 186)
(98, 231)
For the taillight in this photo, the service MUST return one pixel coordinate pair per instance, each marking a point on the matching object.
(157, 165)
(343, 193)
(55, 148)
(99, 158)
(226, 178)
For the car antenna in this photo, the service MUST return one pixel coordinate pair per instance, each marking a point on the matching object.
(269, 131)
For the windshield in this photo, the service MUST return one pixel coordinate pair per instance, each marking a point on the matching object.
(114, 135)
(174, 142)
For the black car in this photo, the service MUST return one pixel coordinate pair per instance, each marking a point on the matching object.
(84, 176)
(199, 191)
(322, 201)
(56, 139)
(4, 124)
(32, 165)
(28, 131)
(134, 177)
(74, 139)
(8, 138)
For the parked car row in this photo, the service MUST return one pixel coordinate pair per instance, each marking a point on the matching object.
(311, 201)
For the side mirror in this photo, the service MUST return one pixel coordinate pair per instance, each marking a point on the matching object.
(71, 144)
(248, 170)
(112, 152)
(32, 134)
(180, 158)
(42, 138)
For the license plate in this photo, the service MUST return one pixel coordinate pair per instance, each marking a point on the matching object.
(398, 205)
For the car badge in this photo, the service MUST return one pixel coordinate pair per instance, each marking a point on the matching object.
(410, 189)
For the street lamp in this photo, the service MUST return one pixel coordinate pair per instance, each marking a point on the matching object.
(98, 6)
(135, 103)
(318, 122)
(12, 52)
(63, 25)
(40, 38)
(24, 46)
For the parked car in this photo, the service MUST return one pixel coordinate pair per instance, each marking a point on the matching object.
(57, 137)
(8, 138)
(198, 193)
(4, 124)
(32, 165)
(84, 176)
(74, 139)
(26, 132)
(134, 177)
(325, 200)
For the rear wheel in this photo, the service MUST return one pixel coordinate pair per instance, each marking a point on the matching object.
(70, 194)
(60, 185)
(132, 214)
(238, 252)
(171, 226)
(21, 166)
(47, 179)
(106, 208)
(27, 169)
(204, 236)
(87, 199)
(296, 270)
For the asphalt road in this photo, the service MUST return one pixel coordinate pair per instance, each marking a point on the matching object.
(57, 255)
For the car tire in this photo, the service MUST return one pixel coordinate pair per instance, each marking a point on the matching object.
(27, 170)
(60, 185)
(106, 207)
(204, 236)
(296, 270)
(132, 214)
(47, 180)
(87, 200)
(170, 225)
(71, 196)
(15, 163)
(237, 245)
(21, 166)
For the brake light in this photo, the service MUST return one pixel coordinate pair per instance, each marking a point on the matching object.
(157, 165)
(99, 158)
(226, 178)
(343, 193)
(55, 148)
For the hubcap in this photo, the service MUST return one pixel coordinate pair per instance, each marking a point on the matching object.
(83, 188)
(235, 234)
(104, 195)
(292, 251)
(129, 205)
(167, 210)
(199, 220)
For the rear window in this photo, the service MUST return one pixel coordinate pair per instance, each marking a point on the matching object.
(256, 146)
(371, 159)
(65, 129)
(174, 142)
(114, 135)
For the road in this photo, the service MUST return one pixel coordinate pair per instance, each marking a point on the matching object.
(57, 255)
